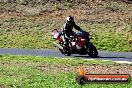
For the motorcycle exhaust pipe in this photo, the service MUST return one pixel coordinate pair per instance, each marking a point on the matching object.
(60, 47)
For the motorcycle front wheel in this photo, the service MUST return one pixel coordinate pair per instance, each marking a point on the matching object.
(92, 51)
(66, 52)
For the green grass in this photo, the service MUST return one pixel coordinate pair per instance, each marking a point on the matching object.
(112, 34)
(22, 72)
(25, 34)
(37, 34)
(110, 37)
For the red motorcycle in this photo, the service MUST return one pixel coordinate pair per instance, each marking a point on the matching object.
(79, 43)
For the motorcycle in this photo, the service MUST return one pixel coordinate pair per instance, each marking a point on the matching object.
(79, 43)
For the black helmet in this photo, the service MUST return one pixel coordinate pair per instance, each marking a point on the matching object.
(70, 19)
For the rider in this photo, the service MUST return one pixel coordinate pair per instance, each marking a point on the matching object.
(67, 29)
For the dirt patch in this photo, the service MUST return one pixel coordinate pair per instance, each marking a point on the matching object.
(10, 15)
(62, 14)
(80, 12)
(91, 69)
(14, 63)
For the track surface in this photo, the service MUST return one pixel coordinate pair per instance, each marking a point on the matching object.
(103, 55)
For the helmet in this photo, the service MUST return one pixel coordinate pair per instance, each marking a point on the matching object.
(69, 19)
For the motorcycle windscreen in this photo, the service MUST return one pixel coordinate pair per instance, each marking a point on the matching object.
(82, 34)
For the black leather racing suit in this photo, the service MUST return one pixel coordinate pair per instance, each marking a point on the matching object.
(67, 31)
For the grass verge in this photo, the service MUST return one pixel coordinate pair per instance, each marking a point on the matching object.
(29, 26)
(47, 72)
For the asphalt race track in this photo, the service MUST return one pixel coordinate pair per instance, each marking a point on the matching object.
(103, 55)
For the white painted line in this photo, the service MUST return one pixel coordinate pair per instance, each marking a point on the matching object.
(106, 60)
(123, 62)
(89, 59)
